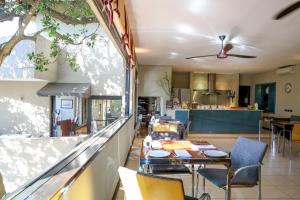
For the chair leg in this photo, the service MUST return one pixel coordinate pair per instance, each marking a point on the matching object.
(259, 182)
(283, 144)
(278, 141)
(193, 180)
(197, 185)
(203, 185)
(290, 154)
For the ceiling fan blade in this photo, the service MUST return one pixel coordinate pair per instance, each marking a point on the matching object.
(287, 11)
(241, 56)
(200, 56)
(228, 47)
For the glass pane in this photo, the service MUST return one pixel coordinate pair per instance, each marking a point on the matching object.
(104, 112)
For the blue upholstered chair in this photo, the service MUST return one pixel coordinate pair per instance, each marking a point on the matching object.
(246, 160)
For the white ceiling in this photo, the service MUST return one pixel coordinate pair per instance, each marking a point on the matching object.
(168, 31)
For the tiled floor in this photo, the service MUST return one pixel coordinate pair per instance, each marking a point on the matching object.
(280, 175)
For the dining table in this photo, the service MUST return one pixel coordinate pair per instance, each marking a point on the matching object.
(184, 152)
(284, 126)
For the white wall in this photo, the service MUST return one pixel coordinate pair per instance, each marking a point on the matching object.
(102, 66)
(22, 110)
(22, 159)
(148, 76)
(101, 186)
(283, 100)
(43, 45)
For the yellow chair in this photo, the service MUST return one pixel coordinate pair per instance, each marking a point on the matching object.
(148, 187)
(158, 127)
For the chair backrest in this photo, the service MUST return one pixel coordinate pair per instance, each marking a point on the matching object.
(164, 127)
(160, 188)
(248, 152)
(162, 135)
(66, 127)
(130, 183)
(296, 132)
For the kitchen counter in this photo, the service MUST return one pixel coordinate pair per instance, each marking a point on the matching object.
(221, 120)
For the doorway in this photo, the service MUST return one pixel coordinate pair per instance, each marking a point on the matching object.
(244, 96)
(265, 97)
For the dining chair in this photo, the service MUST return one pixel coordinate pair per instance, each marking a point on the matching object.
(165, 135)
(292, 136)
(246, 161)
(187, 128)
(140, 186)
(159, 127)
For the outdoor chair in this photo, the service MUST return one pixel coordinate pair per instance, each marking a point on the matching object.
(246, 161)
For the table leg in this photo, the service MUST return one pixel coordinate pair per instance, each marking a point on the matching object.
(259, 131)
(283, 141)
(271, 137)
(193, 180)
(228, 185)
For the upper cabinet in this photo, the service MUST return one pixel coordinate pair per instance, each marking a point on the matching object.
(181, 80)
(199, 81)
(223, 81)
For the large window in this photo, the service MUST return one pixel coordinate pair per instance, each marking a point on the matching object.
(104, 110)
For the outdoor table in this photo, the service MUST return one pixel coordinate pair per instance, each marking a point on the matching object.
(197, 158)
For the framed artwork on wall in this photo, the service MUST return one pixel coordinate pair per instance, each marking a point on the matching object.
(67, 103)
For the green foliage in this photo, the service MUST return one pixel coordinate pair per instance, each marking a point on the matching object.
(41, 62)
(74, 9)
(71, 58)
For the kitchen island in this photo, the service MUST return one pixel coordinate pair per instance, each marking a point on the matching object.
(221, 121)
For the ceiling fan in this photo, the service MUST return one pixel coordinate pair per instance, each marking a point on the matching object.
(223, 52)
(288, 10)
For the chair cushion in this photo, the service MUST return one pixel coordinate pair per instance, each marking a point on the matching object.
(219, 177)
(170, 169)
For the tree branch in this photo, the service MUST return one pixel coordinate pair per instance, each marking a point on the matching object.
(7, 47)
(69, 20)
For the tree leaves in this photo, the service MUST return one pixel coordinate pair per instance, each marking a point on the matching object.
(41, 62)
(67, 11)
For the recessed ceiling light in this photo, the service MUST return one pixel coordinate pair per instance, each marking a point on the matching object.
(173, 55)
(141, 50)
(186, 29)
(197, 6)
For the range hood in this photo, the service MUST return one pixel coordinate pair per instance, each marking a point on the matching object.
(211, 82)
